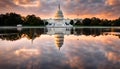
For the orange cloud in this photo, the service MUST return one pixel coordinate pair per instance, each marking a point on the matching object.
(112, 2)
(27, 53)
(27, 3)
(113, 56)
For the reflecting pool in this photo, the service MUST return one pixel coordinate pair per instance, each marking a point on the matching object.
(60, 48)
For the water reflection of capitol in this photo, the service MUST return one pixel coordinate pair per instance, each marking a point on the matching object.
(59, 35)
(59, 40)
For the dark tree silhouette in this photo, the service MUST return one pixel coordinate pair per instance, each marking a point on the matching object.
(105, 22)
(86, 22)
(13, 19)
(33, 20)
(95, 21)
(116, 22)
(78, 23)
(10, 19)
(72, 22)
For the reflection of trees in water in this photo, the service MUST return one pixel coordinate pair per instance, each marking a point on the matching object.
(32, 33)
(88, 31)
(13, 34)
(93, 31)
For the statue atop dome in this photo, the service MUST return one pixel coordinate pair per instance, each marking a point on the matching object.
(59, 6)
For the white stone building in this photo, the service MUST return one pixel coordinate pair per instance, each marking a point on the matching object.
(59, 20)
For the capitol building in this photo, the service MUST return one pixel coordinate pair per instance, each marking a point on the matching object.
(59, 20)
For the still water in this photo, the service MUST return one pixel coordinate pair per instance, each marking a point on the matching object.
(60, 48)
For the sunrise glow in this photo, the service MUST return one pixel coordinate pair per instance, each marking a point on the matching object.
(104, 9)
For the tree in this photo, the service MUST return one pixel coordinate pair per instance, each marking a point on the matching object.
(46, 23)
(95, 21)
(116, 22)
(86, 22)
(10, 19)
(71, 22)
(78, 23)
(33, 20)
(105, 22)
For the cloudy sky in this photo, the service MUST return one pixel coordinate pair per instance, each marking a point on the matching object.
(109, 9)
